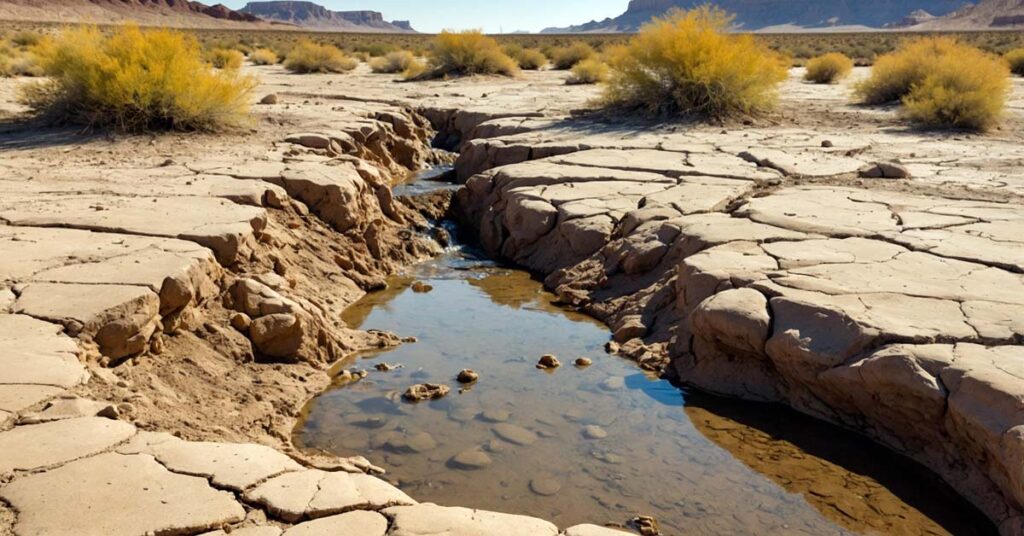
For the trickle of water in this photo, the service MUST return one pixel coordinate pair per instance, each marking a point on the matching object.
(600, 443)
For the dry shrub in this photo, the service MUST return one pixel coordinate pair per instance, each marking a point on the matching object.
(828, 69)
(942, 83)
(529, 59)
(18, 63)
(1015, 58)
(589, 71)
(566, 57)
(467, 53)
(394, 62)
(310, 57)
(225, 58)
(687, 63)
(136, 80)
(263, 56)
(26, 38)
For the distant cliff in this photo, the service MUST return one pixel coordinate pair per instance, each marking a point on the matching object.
(315, 16)
(760, 14)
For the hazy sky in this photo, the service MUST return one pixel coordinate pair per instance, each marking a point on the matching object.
(489, 15)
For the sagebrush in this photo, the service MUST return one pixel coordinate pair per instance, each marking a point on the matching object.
(1015, 58)
(395, 62)
(467, 53)
(829, 68)
(263, 56)
(132, 79)
(688, 63)
(941, 82)
(568, 56)
(310, 57)
(588, 71)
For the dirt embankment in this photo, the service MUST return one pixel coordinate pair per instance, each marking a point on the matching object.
(866, 278)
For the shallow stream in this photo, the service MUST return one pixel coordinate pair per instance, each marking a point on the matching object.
(602, 443)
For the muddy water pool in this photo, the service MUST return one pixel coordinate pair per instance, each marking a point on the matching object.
(599, 444)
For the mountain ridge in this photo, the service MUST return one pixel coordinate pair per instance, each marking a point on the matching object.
(754, 15)
(311, 15)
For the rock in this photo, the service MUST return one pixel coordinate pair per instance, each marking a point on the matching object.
(425, 391)
(583, 362)
(594, 431)
(41, 445)
(613, 384)
(548, 362)
(545, 485)
(592, 530)
(277, 336)
(430, 519)
(516, 435)
(70, 408)
(236, 466)
(494, 415)
(359, 522)
(128, 495)
(631, 327)
(885, 170)
(735, 319)
(647, 525)
(316, 493)
(269, 99)
(241, 322)
(470, 459)
(420, 287)
(467, 376)
(386, 367)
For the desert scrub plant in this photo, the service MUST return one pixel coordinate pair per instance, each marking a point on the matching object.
(529, 59)
(1015, 58)
(226, 58)
(394, 62)
(310, 57)
(136, 80)
(26, 38)
(263, 56)
(828, 69)
(686, 63)
(563, 58)
(941, 83)
(588, 71)
(466, 53)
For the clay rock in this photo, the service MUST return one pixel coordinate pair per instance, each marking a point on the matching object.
(257, 299)
(735, 319)
(530, 219)
(277, 336)
(631, 327)
(548, 362)
(426, 391)
(269, 99)
(467, 376)
(885, 170)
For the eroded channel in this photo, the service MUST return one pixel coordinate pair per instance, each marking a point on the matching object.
(598, 444)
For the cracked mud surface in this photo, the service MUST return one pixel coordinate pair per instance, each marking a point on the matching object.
(192, 286)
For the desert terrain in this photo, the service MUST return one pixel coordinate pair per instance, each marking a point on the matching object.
(171, 303)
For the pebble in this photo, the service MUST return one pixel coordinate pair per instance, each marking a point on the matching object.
(514, 434)
(426, 391)
(494, 415)
(583, 362)
(462, 414)
(613, 384)
(548, 361)
(647, 525)
(386, 367)
(470, 460)
(420, 287)
(545, 486)
(467, 376)
(594, 431)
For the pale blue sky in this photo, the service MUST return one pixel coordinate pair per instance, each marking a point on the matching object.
(490, 15)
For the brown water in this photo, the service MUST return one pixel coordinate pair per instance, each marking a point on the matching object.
(700, 465)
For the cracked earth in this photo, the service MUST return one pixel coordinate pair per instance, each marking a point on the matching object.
(168, 304)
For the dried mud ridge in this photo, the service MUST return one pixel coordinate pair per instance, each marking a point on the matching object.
(140, 306)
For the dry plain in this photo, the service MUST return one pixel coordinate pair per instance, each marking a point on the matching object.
(168, 303)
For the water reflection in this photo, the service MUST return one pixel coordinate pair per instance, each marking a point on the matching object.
(599, 444)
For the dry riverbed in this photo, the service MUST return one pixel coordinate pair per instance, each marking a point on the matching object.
(168, 304)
